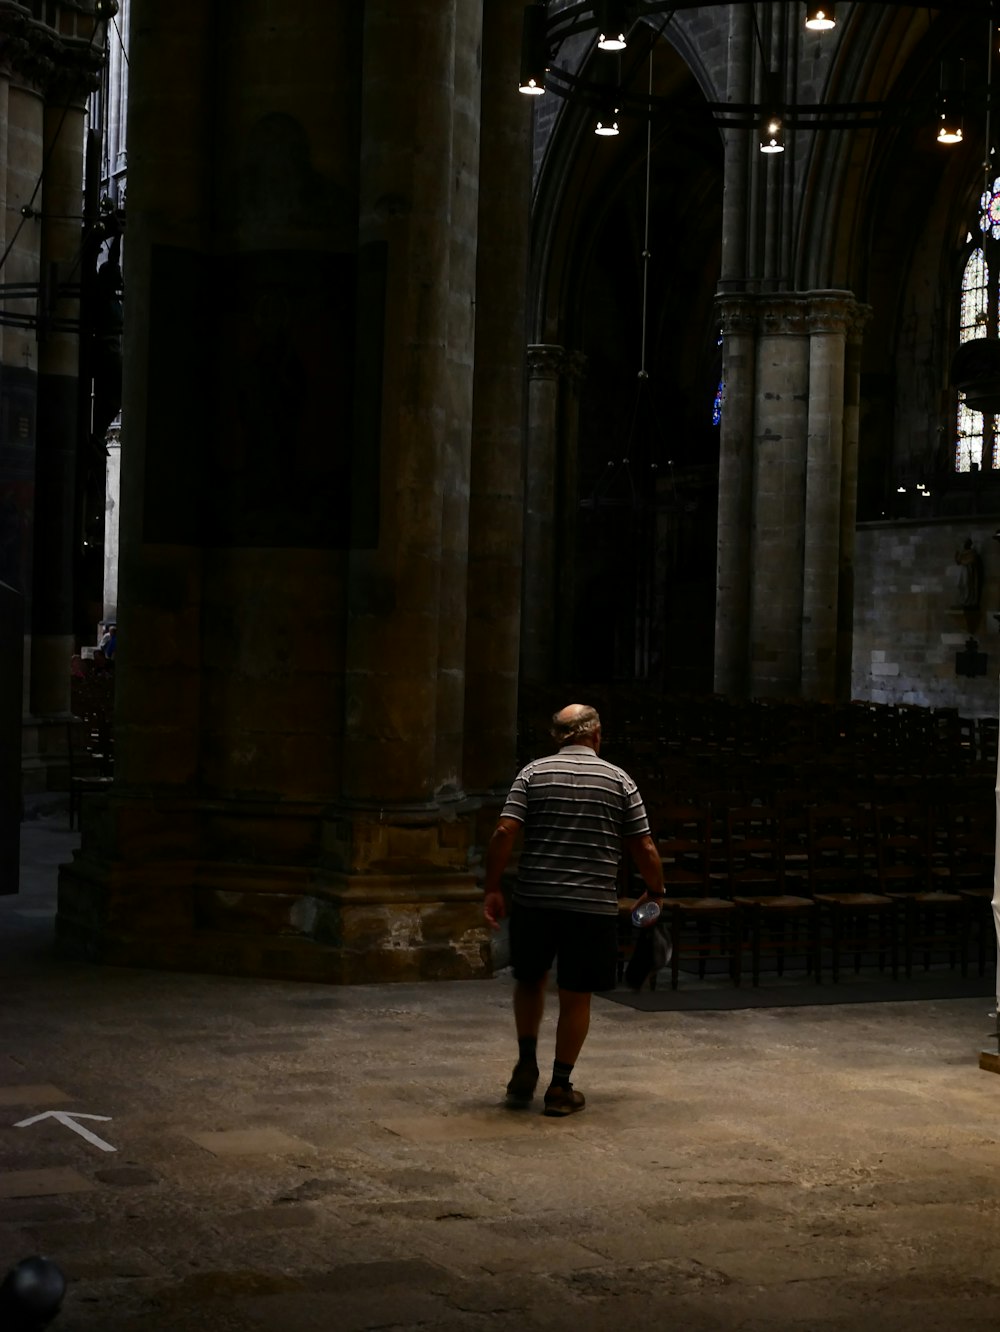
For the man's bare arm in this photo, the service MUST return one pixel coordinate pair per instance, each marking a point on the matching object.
(646, 859)
(497, 855)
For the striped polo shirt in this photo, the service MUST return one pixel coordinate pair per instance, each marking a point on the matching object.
(575, 808)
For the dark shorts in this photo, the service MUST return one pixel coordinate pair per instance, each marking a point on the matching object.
(586, 946)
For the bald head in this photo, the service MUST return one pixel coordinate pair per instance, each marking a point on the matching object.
(577, 724)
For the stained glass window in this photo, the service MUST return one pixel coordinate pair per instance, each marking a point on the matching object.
(969, 444)
(720, 391)
(717, 404)
(975, 281)
(971, 426)
(989, 218)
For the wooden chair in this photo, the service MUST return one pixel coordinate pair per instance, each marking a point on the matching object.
(754, 851)
(969, 835)
(90, 732)
(91, 754)
(935, 919)
(703, 929)
(903, 847)
(980, 925)
(935, 925)
(970, 838)
(775, 919)
(792, 803)
(853, 919)
(684, 840)
(703, 925)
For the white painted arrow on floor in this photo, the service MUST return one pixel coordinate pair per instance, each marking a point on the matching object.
(69, 1118)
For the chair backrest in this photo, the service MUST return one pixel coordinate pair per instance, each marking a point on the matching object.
(971, 841)
(903, 846)
(90, 747)
(836, 847)
(684, 841)
(755, 856)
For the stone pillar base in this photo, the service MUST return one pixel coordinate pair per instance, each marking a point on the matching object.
(134, 895)
(44, 754)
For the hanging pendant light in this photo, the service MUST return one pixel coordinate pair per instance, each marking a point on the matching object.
(534, 52)
(950, 98)
(772, 133)
(607, 122)
(612, 18)
(820, 18)
(949, 129)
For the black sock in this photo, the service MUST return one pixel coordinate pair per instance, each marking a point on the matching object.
(527, 1048)
(560, 1074)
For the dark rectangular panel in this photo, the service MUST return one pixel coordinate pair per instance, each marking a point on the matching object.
(11, 685)
(254, 436)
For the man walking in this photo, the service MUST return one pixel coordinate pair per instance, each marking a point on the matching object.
(575, 809)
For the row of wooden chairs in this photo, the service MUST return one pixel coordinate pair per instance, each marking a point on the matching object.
(830, 879)
(845, 833)
(911, 840)
(661, 729)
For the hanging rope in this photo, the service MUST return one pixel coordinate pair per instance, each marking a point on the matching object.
(643, 374)
(613, 470)
(118, 34)
(987, 149)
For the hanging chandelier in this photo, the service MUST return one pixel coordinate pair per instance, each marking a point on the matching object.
(615, 23)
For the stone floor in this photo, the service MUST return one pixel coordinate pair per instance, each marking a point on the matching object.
(293, 1157)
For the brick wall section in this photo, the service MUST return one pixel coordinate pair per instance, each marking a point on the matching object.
(906, 628)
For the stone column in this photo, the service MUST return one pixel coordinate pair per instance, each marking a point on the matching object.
(738, 150)
(779, 499)
(858, 318)
(112, 523)
(406, 187)
(736, 467)
(275, 809)
(545, 508)
(567, 514)
(158, 683)
(824, 449)
(21, 113)
(56, 523)
(402, 897)
(497, 499)
(456, 457)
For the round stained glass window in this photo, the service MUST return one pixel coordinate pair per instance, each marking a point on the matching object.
(989, 218)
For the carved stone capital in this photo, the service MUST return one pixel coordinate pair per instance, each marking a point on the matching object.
(786, 314)
(858, 322)
(837, 312)
(737, 315)
(793, 313)
(64, 64)
(546, 360)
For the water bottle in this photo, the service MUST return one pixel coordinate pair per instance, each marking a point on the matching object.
(645, 914)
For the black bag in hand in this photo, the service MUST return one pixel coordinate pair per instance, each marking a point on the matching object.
(651, 953)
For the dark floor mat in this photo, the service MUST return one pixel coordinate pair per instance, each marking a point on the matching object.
(798, 989)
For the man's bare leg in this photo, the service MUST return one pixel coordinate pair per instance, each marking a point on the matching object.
(571, 1032)
(529, 1006)
(574, 1023)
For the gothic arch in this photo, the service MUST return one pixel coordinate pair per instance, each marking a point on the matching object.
(638, 552)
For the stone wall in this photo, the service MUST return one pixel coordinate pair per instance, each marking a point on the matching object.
(907, 628)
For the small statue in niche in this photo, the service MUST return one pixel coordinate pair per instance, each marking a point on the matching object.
(970, 576)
